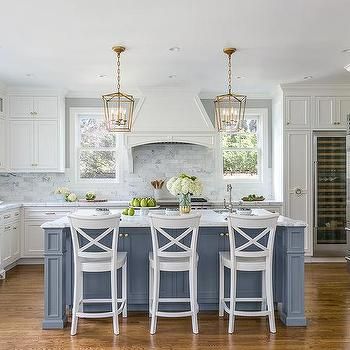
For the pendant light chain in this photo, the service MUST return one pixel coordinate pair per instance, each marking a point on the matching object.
(229, 75)
(118, 72)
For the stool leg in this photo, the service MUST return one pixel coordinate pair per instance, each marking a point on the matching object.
(155, 302)
(114, 300)
(221, 288)
(76, 297)
(124, 288)
(269, 297)
(231, 320)
(263, 291)
(150, 289)
(193, 300)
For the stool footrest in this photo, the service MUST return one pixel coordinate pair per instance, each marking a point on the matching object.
(174, 300)
(94, 314)
(174, 314)
(251, 313)
(246, 300)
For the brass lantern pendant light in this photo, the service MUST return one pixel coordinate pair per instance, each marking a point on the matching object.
(230, 108)
(118, 106)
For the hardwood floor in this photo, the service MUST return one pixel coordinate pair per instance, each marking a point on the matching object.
(327, 303)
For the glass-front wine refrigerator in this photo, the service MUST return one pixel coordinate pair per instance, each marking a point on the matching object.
(330, 196)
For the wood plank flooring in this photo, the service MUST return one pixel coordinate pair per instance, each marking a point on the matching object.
(327, 302)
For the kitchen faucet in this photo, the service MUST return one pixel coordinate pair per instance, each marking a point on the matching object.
(229, 206)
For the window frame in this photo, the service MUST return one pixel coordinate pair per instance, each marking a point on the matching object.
(75, 114)
(262, 114)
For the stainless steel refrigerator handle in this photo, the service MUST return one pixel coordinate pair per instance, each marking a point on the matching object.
(347, 228)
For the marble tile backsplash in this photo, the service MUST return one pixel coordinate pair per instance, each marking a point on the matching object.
(151, 162)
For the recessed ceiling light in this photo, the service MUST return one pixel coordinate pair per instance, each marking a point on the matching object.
(308, 77)
(102, 75)
(347, 67)
(172, 76)
(174, 49)
(346, 51)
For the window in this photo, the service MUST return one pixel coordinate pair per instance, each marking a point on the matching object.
(96, 149)
(243, 152)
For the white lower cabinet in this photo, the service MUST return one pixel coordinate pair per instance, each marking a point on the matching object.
(33, 237)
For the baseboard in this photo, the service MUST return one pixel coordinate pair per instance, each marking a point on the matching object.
(321, 259)
(30, 261)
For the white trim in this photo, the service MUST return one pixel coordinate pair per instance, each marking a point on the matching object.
(74, 112)
(263, 149)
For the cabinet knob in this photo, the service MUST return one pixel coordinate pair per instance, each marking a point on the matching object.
(7, 227)
(34, 164)
(288, 123)
(226, 234)
(120, 235)
(222, 234)
(126, 235)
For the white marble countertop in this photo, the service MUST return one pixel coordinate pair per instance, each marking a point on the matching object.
(209, 218)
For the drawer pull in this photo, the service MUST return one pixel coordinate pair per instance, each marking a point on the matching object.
(7, 227)
(50, 213)
(15, 227)
(7, 216)
(16, 214)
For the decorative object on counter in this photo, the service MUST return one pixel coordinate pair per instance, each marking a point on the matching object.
(118, 106)
(67, 194)
(158, 189)
(230, 108)
(184, 186)
(143, 202)
(253, 198)
(128, 212)
(90, 196)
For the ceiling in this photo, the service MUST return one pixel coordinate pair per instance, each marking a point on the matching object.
(67, 44)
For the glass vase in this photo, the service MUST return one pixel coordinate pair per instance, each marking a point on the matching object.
(184, 203)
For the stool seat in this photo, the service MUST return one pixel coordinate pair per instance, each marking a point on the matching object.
(96, 264)
(243, 263)
(179, 263)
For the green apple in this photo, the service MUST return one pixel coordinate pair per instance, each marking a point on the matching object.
(131, 211)
(125, 211)
(151, 202)
(144, 202)
(135, 202)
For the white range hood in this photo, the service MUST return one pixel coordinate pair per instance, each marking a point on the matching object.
(170, 115)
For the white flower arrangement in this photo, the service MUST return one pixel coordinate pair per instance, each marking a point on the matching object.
(67, 194)
(62, 190)
(184, 184)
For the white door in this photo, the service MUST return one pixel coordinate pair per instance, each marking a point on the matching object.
(33, 239)
(15, 241)
(2, 144)
(21, 144)
(298, 184)
(297, 112)
(325, 113)
(46, 107)
(6, 245)
(46, 144)
(21, 106)
(343, 109)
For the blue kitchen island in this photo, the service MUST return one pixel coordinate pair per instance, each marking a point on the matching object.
(135, 239)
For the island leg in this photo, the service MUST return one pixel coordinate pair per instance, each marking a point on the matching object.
(55, 279)
(291, 310)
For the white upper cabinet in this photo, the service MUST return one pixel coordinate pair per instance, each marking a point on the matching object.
(297, 112)
(2, 144)
(343, 109)
(35, 134)
(35, 107)
(325, 113)
(21, 145)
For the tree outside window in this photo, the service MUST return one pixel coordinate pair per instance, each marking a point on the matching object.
(241, 152)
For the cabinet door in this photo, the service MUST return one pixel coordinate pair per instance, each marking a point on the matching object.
(21, 106)
(343, 109)
(33, 239)
(21, 144)
(325, 113)
(15, 241)
(46, 145)
(298, 171)
(46, 107)
(2, 144)
(6, 245)
(297, 112)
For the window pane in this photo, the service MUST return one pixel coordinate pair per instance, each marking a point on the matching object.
(93, 133)
(97, 164)
(247, 138)
(241, 164)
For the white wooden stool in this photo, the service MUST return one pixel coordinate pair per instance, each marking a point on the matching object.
(94, 254)
(185, 258)
(249, 252)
